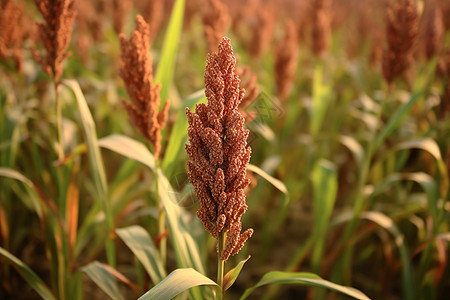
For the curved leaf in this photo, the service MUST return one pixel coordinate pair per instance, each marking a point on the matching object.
(387, 223)
(352, 144)
(275, 182)
(186, 250)
(304, 279)
(166, 65)
(232, 275)
(13, 174)
(395, 120)
(95, 161)
(128, 147)
(429, 145)
(139, 241)
(178, 134)
(178, 281)
(104, 279)
(33, 280)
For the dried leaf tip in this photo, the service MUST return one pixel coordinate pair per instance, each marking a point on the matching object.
(218, 152)
(137, 74)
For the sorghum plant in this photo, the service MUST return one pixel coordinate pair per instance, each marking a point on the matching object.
(248, 83)
(216, 21)
(219, 154)
(286, 61)
(321, 29)
(55, 34)
(137, 73)
(12, 33)
(401, 32)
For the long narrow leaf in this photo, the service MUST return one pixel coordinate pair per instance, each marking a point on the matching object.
(104, 279)
(128, 147)
(166, 65)
(232, 275)
(303, 279)
(13, 174)
(95, 161)
(178, 135)
(139, 241)
(89, 130)
(324, 180)
(395, 120)
(272, 180)
(178, 281)
(186, 250)
(321, 100)
(33, 280)
(407, 274)
(429, 145)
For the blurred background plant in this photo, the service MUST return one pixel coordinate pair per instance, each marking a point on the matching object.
(349, 119)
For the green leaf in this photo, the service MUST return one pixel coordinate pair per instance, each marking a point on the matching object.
(89, 130)
(13, 174)
(324, 178)
(304, 279)
(104, 279)
(178, 134)
(395, 120)
(95, 161)
(429, 145)
(275, 182)
(186, 250)
(33, 280)
(128, 147)
(178, 281)
(321, 100)
(352, 144)
(427, 183)
(232, 275)
(139, 241)
(407, 273)
(166, 65)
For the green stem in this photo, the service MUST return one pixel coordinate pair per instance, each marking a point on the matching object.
(59, 122)
(359, 199)
(161, 219)
(220, 264)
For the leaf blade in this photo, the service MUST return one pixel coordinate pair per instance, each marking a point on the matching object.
(33, 280)
(178, 281)
(104, 279)
(140, 243)
(166, 65)
(128, 147)
(304, 279)
(232, 275)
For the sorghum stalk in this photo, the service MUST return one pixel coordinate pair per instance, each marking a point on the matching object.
(55, 33)
(218, 155)
(220, 262)
(136, 71)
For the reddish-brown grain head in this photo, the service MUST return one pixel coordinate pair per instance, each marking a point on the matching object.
(218, 152)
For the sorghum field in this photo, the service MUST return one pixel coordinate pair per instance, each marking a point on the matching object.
(224, 149)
